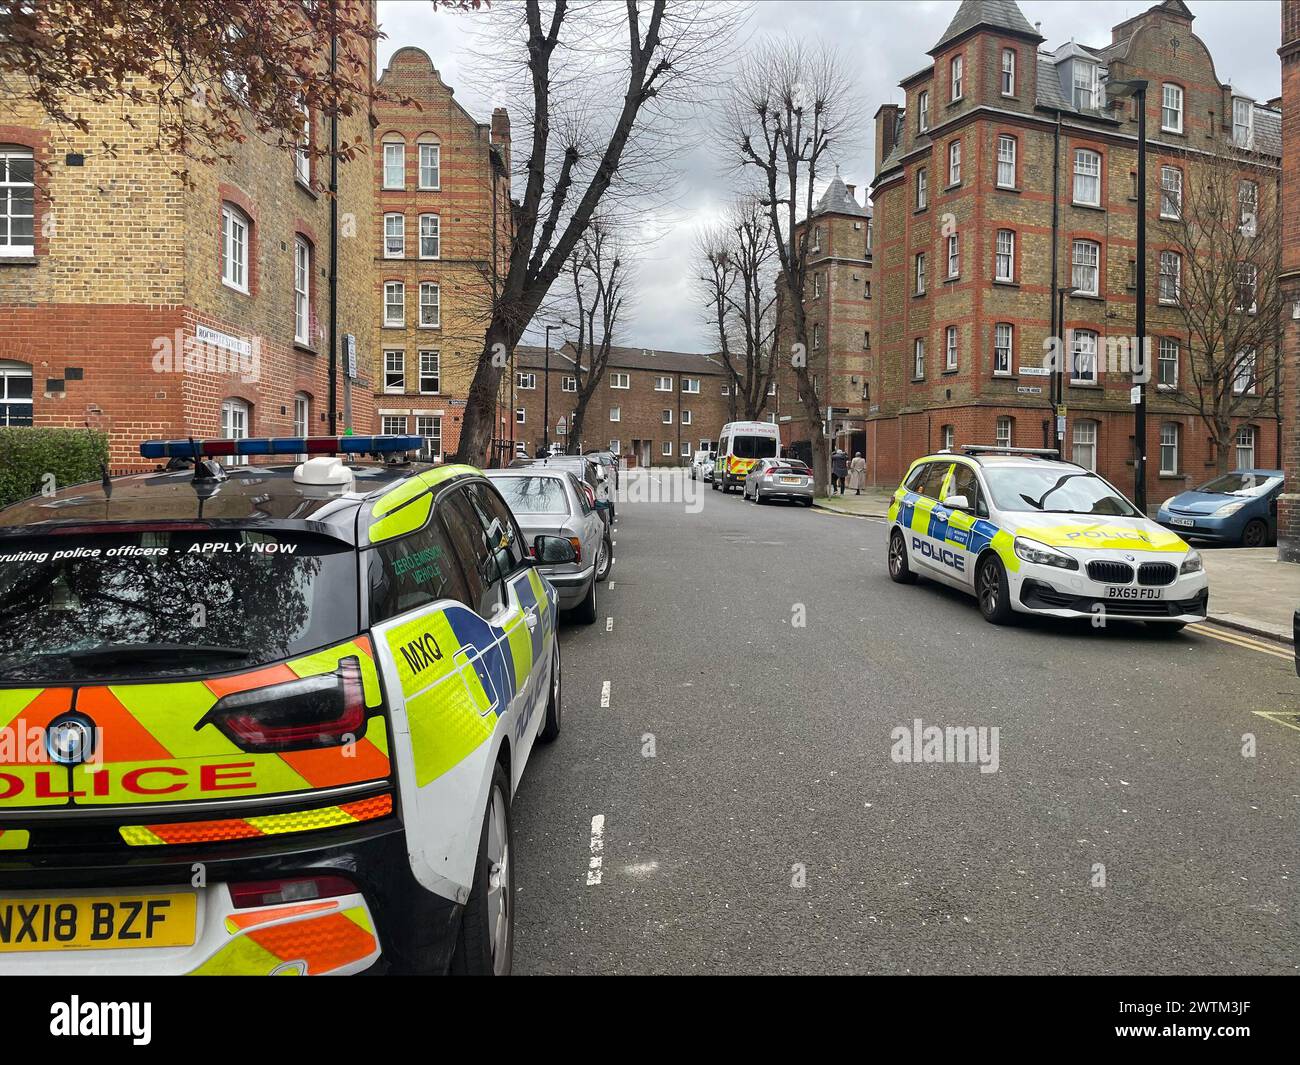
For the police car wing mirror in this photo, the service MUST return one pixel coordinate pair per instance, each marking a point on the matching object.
(553, 550)
(957, 503)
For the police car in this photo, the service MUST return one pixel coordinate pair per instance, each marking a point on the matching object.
(268, 719)
(1023, 531)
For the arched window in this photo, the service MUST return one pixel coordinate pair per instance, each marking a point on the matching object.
(394, 162)
(17, 201)
(302, 291)
(236, 239)
(15, 393)
(430, 164)
(301, 414)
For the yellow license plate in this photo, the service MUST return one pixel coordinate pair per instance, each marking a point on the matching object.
(97, 922)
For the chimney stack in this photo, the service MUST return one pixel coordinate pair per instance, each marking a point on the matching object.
(886, 131)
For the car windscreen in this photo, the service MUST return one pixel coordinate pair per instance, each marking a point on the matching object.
(754, 447)
(1055, 490)
(166, 603)
(533, 495)
(1247, 485)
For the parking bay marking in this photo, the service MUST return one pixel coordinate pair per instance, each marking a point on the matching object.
(1240, 641)
(597, 859)
(604, 694)
(609, 624)
(1276, 717)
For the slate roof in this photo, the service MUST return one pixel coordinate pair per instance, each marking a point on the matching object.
(837, 200)
(999, 14)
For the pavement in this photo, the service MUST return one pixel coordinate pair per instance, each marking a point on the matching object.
(1250, 589)
(728, 793)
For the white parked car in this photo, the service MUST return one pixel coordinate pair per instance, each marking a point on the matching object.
(1024, 531)
(702, 465)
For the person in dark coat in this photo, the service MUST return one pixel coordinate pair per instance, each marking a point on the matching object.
(839, 469)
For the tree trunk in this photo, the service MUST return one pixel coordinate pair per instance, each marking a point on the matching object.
(479, 422)
(575, 424)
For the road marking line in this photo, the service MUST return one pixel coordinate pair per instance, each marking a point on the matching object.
(1273, 716)
(609, 624)
(597, 859)
(611, 584)
(1240, 641)
(604, 694)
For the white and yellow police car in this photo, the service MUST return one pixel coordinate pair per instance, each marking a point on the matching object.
(1023, 531)
(268, 719)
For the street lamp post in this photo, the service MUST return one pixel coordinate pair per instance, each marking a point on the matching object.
(1119, 90)
(546, 396)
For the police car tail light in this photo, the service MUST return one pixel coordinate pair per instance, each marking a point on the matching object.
(297, 889)
(1042, 555)
(328, 710)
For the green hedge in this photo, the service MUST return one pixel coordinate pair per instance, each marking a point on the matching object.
(27, 455)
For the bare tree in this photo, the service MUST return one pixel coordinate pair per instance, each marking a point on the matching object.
(599, 275)
(789, 109)
(607, 85)
(737, 282)
(1227, 237)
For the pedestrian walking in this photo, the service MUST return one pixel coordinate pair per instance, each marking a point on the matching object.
(839, 469)
(858, 473)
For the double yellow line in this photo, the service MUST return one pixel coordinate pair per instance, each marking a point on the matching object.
(1240, 639)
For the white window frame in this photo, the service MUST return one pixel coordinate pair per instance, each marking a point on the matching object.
(302, 152)
(394, 163)
(1173, 259)
(525, 381)
(923, 111)
(301, 414)
(430, 231)
(1083, 444)
(1085, 267)
(1088, 85)
(1005, 256)
(1245, 373)
(394, 371)
(686, 417)
(1168, 354)
(920, 273)
(1245, 442)
(1169, 435)
(1008, 80)
(620, 380)
(15, 195)
(393, 424)
(569, 384)
(521, 415)
(1087, 177)
(690, 385)
(954, 255)
(954, 162)
(1243, 130)
(1247, 279)
(301, 291)
(615, 414)
(236, 424)
(663, 384)
(1171, 192)
(1003, 431)
(236, 242)
(433, 306)
(666, 450)
(616, 446)
(949, 437)
(956, 76)
(1084, 344)
(666, 416)
(950, 348)
(922, 189)
(394, 235)
(1005, 140)
(436, 150)
(429, 426)
(429, 369)
(918, 359)
(397, 288)
(1003, 353)
(1171, 108)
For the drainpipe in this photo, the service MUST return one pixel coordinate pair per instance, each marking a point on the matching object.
(1057, 328)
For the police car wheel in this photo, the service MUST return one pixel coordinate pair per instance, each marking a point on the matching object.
(585, 612)
(991, 588)
(486, 943)
(899, 570)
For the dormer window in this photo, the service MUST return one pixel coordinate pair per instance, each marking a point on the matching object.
(1085, 85)
(1243, 121)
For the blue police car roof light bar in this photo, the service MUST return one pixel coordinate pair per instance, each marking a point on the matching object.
(279, 445)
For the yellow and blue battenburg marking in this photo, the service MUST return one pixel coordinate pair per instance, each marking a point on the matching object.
(974, 535)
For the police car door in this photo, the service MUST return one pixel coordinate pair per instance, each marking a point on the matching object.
(962, 537)
(929, 529)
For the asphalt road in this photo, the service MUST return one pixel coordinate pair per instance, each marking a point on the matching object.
(772, 832)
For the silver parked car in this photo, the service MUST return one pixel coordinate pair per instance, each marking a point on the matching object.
(553, 501)
(779, 479)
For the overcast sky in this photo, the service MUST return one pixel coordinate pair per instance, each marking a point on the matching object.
(886, 40)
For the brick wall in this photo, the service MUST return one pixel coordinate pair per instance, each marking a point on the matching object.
(471, 201)
(971, 396)
(128, 269)
(1289, 504)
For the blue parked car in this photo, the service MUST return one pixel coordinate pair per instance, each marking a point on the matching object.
(1237, 508)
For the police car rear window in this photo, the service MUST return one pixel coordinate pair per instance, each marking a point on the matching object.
(754, 447)
(166, 603)
(533, 495)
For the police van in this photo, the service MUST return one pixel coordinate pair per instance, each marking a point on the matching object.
(740, 446)
(268, 719)
(1025, 532)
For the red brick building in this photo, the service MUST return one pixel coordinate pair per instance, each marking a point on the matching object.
(1288, 531)
(653, 408)
(135, 303)
(838, 308)
(442, 230)
(1005, 176)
